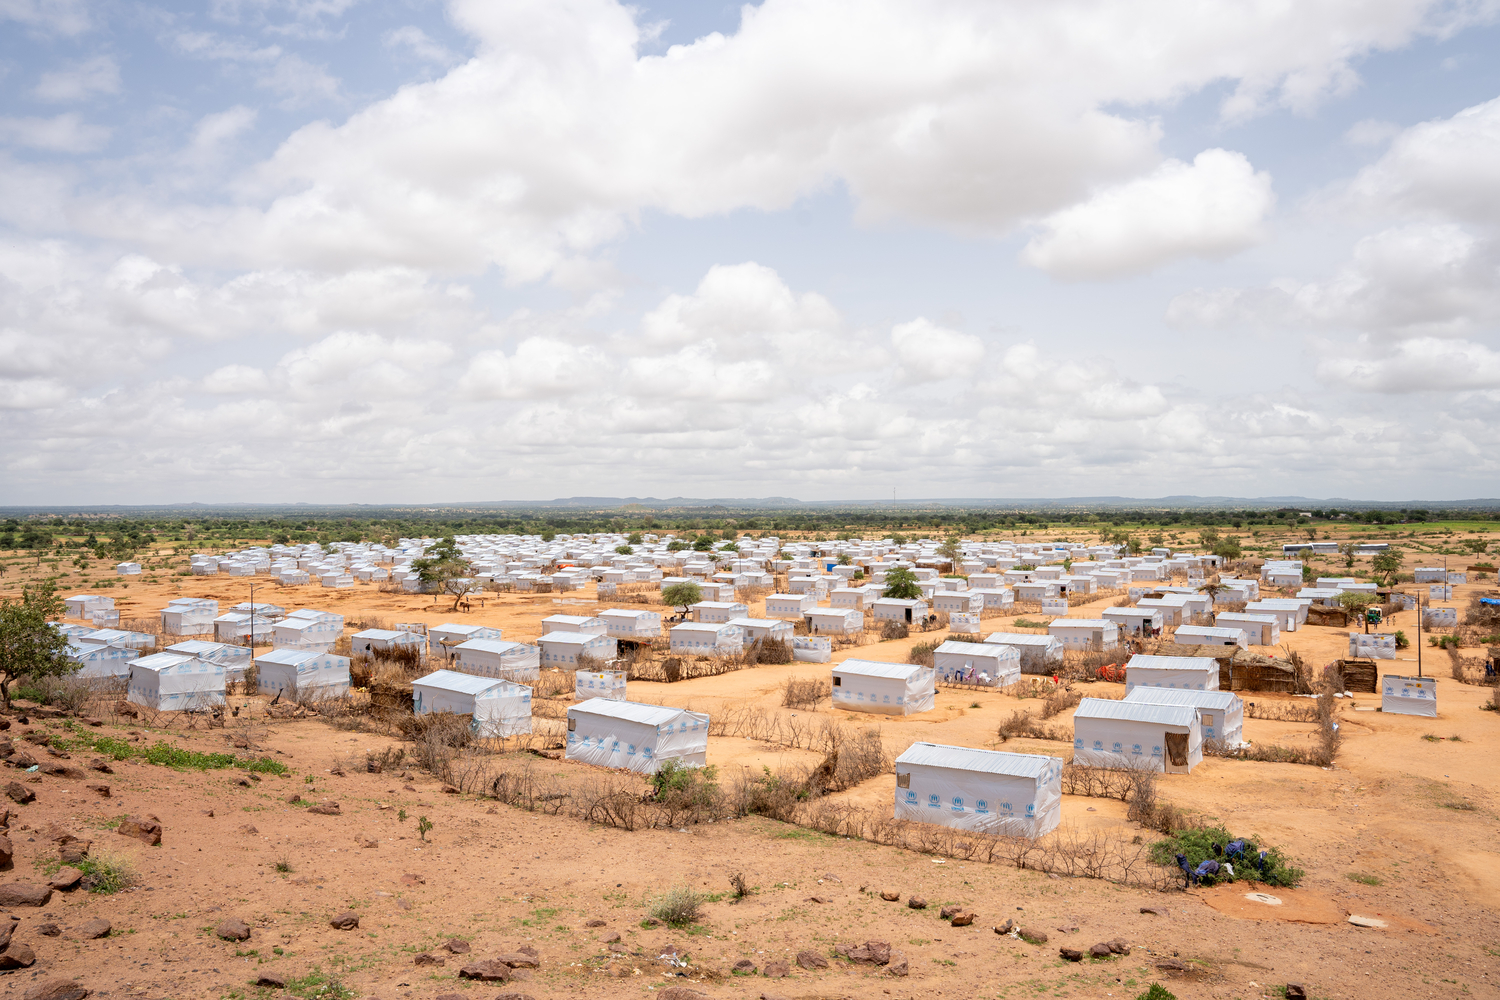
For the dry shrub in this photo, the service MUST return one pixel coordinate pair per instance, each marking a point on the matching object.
(805, 692)
(890, 629)
(1493, 705)
(768, 651)
(1147, 809)
(1282, 711)
(1097, 782)
(1022, 724)
(554, 683)
(923, 653)
(437, 735)
(1060, 700)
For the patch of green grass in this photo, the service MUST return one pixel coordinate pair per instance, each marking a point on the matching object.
(283, 865)
(317, 985)
(1197, 846)
(103, 873)
(677, 907)
(1432, 737)
(798, 833)
(1157, 991)
(163, 754)
(1362, 878)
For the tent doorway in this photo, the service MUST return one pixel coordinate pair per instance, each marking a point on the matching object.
(1177, 749)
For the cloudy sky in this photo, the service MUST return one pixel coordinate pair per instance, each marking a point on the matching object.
(343, 250)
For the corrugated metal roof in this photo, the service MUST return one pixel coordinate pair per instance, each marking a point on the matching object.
(1021, 639)
(633, 711)
(572, 638)
(757, 622)
(874, 668)
(500, 646)
(1222, 700)
(286, 657)
(701, 626)
(990, 649)
(192, 647)
(1204, 663)
(1083, 623)
(1240, 616)
(1222, 633)
(1135, 711)
(161, 661)
(1017, 765)
(452, 680)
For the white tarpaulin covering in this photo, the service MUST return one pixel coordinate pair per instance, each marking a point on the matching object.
(983, 663)
(961, 623)
(1193, 673)
(510, 661)
(883, 688)
(100, 660)
(623, 623)
(169, 682)
(1136, 735)
(302, 674)
(987, 791)
(635, 736)
(1221, 714)
(234, 659)
(1039, 653)
(812, 648)
(1408, 695)
(496, 707)
(606, 684)
(1372, 647)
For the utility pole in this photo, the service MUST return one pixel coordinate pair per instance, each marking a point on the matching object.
(252, 621)
(1419, 633)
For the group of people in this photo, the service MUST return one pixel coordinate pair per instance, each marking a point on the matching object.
(1215, 868)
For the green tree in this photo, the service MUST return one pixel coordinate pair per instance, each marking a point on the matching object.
(702, 543)
(1228, 548)
(624, 550)
(1349, 550)
(30, 648)
(634, 538)
(950, 550)
(1386, 565)
(676, 545)
(901, 584)
(680, 595)
(444, 570)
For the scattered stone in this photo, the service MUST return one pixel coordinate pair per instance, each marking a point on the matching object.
(512, 995)
(811, 960)
(962, 919)
(949, 912)
(94, 929)
(24, 894)
(745, 967)
(147, 830)
(898, 966)
(271, 980)
(521, 959)
(817, 899)
(1071, 954)
(869, 953)
(1296, 991)
(207, 812)
(650, 922)
(242, 782)
(99, 788)
(63, 771)
(1118, 946)
(410, 879)
(249, 830)
(1033, 936)
(126, 709)
(1171, 965)
(19, 793)
(1156, 911)
(73, 853)
(294, 799)
(7, 928)
(366, 842)
(429, 959)
(66, 878)
(1006, 927)
(457, 946)
(233, 929)
(489, 971)
(596, 922)
(1101, 950)
(613, 937)
(890, 897)
(917, 903)
(777, 970)
(101, 765)
(346, 921)
(48, 929)
(681, 993)
(325, 808)
(7, 854)
(18, 956)
(58, 989)
(449, 790)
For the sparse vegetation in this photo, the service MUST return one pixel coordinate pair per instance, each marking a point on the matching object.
(1197, 846)
(679, 906)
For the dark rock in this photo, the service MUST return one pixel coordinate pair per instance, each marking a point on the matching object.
(66, 878)
(595, 923)
(7, 854)
(1033, 936)
(346, 921)
(18, 956)
(681, 993)
(777, 970)
(890, 897)
(147, 830)
(101, 765)
(24, 894)
(429, 959)
(63, 771)
(294, 799)
(48, 929)
(962, 919)
(325, 808)
(1171, 965)
(745, 967)
(811, 960)
(1071, 954)
(650, 922)
(611, 938)
(817, 899)
(242, 782)
(7, 928)
(1118, 946)
(1006, 927)
(94, 929)
(1156, 911)
(249, 830)
(917, 903)
(489, 971)
(449, 790)
(99, 788)
(74, 853)
(1101, 950)
(1296, 991)
(526, 959)
(898, 966)
(457, 946)
(949, 912)
(57, 989)
(869, 953)
(366, 842)
(233, 929)
(271, 980)
(19, 793)
(510, 995)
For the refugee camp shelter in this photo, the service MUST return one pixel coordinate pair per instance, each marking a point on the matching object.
(1193, 673)
(189, 616)
(958, 602)
(1221, 714)
(606, 684)
(234, 659)
(702, 639)
(985, 663)
(895, 610)
(100, 660)
(302, 674)
(834, 621)
(986, 791)
(118, 637)
(764, 628)
(883, 688)
(1207, 635)
(717, 612)
(562, 649)
(497, 658)
(1261, 630)
(84, 605)
(385, 640)
(307, 629)
(495, 707)
(242, 625)
(1408, 695)
(634, 736)
(1137, 735)
(1134, 621)
(1040, 654)
(442, 638)
(789, 605)
(1085, 633)
(171, 682)
(627, 623)
(586, 624)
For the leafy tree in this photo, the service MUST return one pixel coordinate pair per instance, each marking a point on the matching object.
(624, 550)
(844, 560)
(444, 570)
(634, 538)
(901, 584)
(702, 543)
(1478, 546)
(1386, 565)
(676, 545)
(950, 550)
(1349, 550)
(29, 647)
(680, 595)
(1356, 600)
(1228, 548)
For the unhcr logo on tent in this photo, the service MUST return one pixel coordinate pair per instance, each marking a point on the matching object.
(911, 798)
(933, 802)
(982, 807)
(958, 804)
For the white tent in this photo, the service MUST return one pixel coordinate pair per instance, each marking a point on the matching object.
(307, 629)
(627, 623)
(239, 625)
(789, 605)
(1137, 735)
(189, 616)
(1040, 654)
(97, 660)
(497, 707)
(1194, 673)
(635, 736)
(586, 624)
(118, 637)
(987, 791)
(987, 663)
(1408, 695)
(84, 605)
(302, 674)
(234, 659)
(1262, 630)
(606, 684)
(442, 638)
(373, 640)
(883, 688)
(1085, 633)
(562, 649)
(892, 609)
(1204, 635)
(764, 628)
(705, 640)
(171, 682)
(835, 621)
(1133, 621)
(498, 658)
(717, 612)
(1221, 714)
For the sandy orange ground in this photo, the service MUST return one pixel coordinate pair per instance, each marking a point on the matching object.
(1418, 816)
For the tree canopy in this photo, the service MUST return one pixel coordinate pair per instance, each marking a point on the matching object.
(901, 584)
(30, 648)
(444, 570)
(682, 594)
